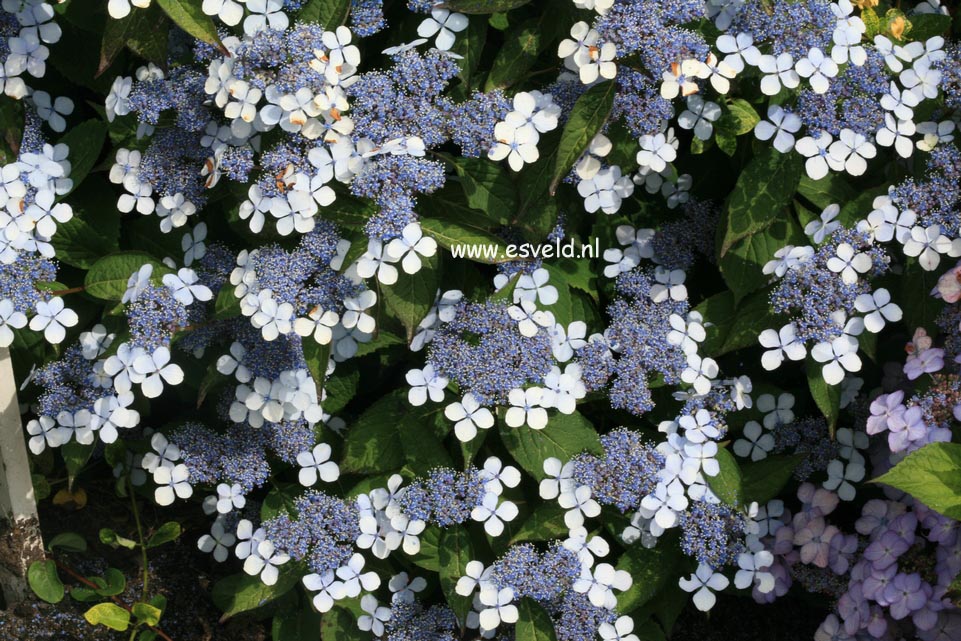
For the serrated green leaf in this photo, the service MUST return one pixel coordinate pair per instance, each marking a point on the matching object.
(763, 480)
(107, 278)
(109, 615)
(340, 625)
(932, 475)
(329, 13)
(302, 625)
(544, 524)
(85, 142)
(742, 266)
(44, 581)
(565, 436)
(11, 128)
(483, 6)
(188, 15)
(726, 484)
(764, 188)
(461, 238)
(587, 118)
(455, 552)
(373, 442)
(240, 592)
(412, 296)
(488, 189)
(827, 397)
(651, 569)
(533, 622)
(522, 44)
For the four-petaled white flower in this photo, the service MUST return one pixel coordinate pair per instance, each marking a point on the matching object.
(317, 464)
(849, 263)
(156, 368)
(410, 246)
(217, 542)
(704, 582)
(756, 443)
(52, 318)
(185, 286)
(526, 408)
(468, 415)
(171, 483)
(838, 355)
(265, 561)
(498, 607)
(445, 24)
(877, 308)
(494, 515)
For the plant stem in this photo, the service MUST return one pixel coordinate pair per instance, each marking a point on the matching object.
(143, 547)
(77, 577)
(72, 290)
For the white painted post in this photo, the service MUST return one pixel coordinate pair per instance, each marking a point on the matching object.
(20, 541)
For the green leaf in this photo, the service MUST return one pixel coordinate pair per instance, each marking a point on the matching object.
(143, 31)
(44, 581)
(317, 357)
(41, 487)
(11, 129)
(340, 625)
(587, 119)
(469, 45)
(75, 456)
(340, 388)
(421, 432)
(146, 613)
(920, 308)
(85, 142)
(533, 622)
(651, 569)
(412, 296)
(114, 583)
(109, 615)
(743, 116)
(107, 278)
(827, 397)
(302, 625)
(545, 524)
(565, 436)
(742, 265)
(226, 305)
(763, 480)
(832, 189)
(764, 188)
(188, 15)
(329, 13)
(111, 538)
(488, 189)
(93, 232)
(483, 6)
(240, 592)
(522, 44)
(450, 234)
(932, 475)
(68, 542)
(928, 25)
(727, 483)
(166, 533)
(455, 552)
(373, 442)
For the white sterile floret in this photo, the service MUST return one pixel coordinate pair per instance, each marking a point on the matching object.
(526, 408)
(877, 308)
(468, 416)
(535, 287)
(493, 514)
(781, 343)
(605, 190)
(755, 443)
(445, 24)
(410, 246)
(530, 320)
(780, 126)
(682, 78)
(838, 356)
(425, 383)
(218, 542)
(316, 464)
(825, 225)
(699, 116)
(818, 69)
(704, 582)
(52, 318)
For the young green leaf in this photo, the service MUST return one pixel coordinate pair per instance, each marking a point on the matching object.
(932, 475)
(455, 552)
(188, 15)
(533, 622)
(166, 533)
(565, 436)
(44, 581)
(587, 118)
(109, 615)
(68, 542)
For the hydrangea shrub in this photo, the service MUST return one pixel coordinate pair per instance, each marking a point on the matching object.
(259, 259)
